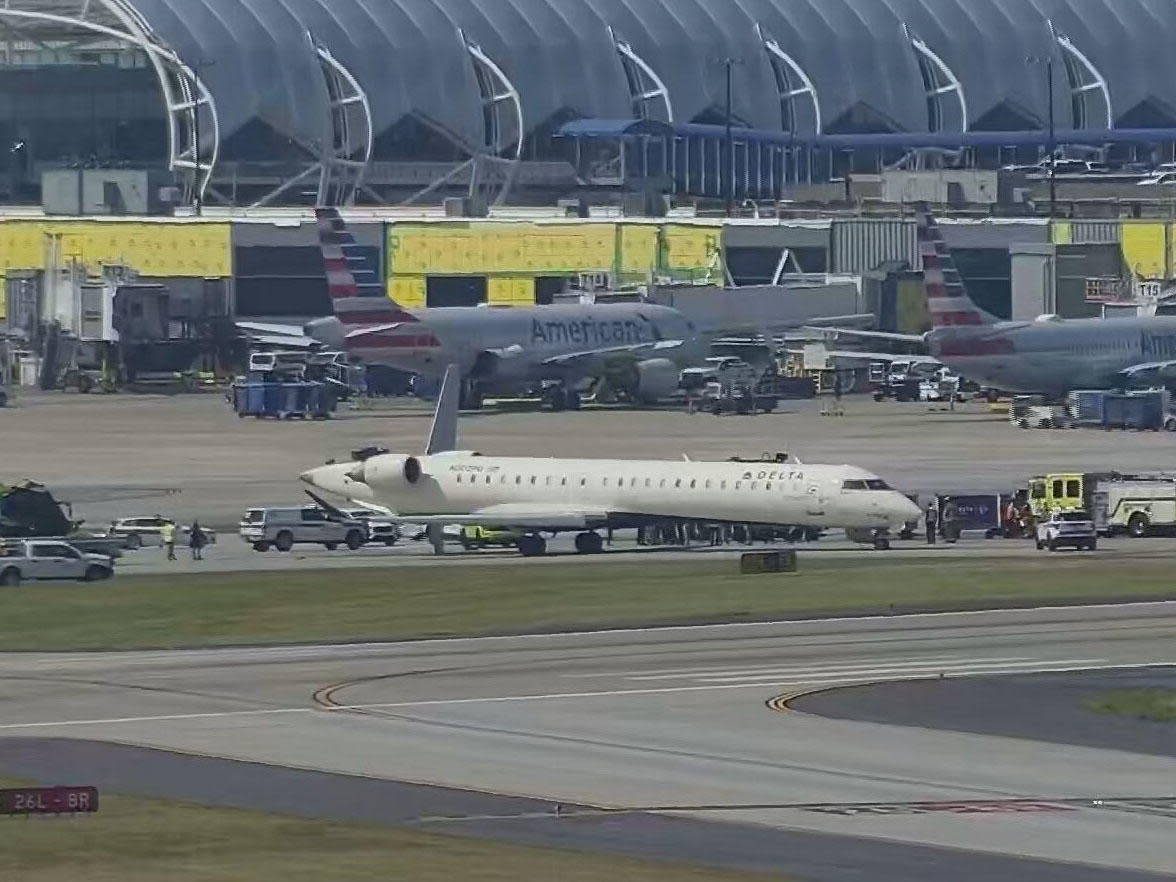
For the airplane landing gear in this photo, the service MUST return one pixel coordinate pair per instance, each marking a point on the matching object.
(556, 398)
(436, 536)
(471, 396)
(881, 541)
(589, 543)
(532, 545)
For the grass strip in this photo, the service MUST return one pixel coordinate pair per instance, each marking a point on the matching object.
(1158, 705)
(148, 840)
(451, 600)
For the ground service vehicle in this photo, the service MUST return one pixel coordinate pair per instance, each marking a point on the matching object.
(483, 537)
(379, 530)
(283, 528)
(139, 532)
(38, 560)
(1073, 529)
(1134, 504)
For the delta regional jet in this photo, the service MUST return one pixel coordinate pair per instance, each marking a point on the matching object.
(445, 486)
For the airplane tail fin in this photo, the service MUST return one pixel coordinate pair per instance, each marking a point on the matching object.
(358, 296)
(443, 434)
(947, 300)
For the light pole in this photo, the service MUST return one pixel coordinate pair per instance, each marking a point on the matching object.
(1051, 138)
(729, 187)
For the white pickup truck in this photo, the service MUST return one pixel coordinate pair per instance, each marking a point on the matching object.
(41, 559)
(1063, 529)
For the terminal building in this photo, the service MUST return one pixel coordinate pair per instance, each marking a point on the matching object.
(271, 102)
(573, 143)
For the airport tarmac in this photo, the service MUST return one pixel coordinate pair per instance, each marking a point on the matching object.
(680, 722)
(190, 457)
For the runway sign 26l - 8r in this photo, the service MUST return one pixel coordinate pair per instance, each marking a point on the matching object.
(48, 800)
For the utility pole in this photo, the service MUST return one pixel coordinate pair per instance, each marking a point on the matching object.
(1051, 145)
(729, 186)
(728, 63)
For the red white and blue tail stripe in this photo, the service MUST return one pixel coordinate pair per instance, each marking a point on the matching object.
(358, 295)
(947, 300)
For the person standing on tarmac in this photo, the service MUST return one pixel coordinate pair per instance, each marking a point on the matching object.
(838, 390)
(168, 534)
(929, 520)
(196, 541)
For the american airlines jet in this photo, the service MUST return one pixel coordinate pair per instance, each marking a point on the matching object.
(1049, 355)
(547, 495)
(497, 350)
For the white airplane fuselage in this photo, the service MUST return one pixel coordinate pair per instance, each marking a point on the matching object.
(621, 491)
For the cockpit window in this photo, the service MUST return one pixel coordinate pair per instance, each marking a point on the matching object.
(877, 484)
(854, 485)
(868, 484)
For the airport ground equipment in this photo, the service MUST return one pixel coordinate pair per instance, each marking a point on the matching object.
(293, 400)
(474, 536)
(29, 511)
(974, 513)
(1067, 529)
(1033, 412)
(1118, 503)
(283, 528)
(377, 530)
(33, 560)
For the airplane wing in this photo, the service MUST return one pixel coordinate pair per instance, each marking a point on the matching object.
(570, 358)
(1153, 370)
(374, 329)
(277, 335)
(518, 514)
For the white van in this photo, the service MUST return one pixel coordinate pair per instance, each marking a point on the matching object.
(283, 528)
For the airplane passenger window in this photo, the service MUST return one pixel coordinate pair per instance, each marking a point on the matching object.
(583, 482)
(708, 484)
(678, 483)
(738, 485)
(487, 479)
(563, 482)
(663, 483)
(532, 480)
(768, 486)
(693, 483)
(459, 479)
(518, 479)
(648, 482)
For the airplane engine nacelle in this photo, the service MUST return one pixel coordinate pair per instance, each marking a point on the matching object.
(391, 471)
(656, 378)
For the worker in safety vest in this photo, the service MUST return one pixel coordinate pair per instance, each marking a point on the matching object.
(168, 534)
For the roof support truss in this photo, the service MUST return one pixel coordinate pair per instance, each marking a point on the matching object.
(647, 92)
(944, 91)
(1090, 96)
(191, 110)
(793, 85)
(502, 107)
(347, 142)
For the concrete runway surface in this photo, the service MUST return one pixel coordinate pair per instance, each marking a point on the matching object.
(191, 457)
(670, 723)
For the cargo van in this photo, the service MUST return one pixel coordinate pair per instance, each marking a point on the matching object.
(283, 528)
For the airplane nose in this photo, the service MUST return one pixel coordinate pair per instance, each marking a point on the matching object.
(906, 510)
(337, 478)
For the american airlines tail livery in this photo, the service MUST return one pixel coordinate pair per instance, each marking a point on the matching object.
(1049, 355)
(498, 350)
(540, 496)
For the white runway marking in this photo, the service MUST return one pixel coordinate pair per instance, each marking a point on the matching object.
(910, 660)
(1043, 667)
(865, 665)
